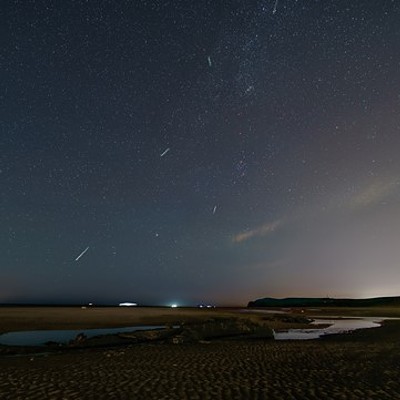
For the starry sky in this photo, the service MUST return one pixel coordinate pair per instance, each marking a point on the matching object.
(199, 151)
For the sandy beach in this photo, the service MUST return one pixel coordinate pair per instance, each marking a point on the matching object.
(363, 365)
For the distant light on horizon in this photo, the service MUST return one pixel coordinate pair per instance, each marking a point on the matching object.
(174, 305)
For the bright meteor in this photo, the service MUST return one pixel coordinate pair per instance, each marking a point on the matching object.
(83, 252)
(165, 152)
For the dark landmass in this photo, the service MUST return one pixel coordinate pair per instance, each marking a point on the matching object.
(325, 302)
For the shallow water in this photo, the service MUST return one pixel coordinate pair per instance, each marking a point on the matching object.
(258, 311)
(342, 325)
(39, 338)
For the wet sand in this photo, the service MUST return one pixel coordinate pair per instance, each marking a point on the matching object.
(36, 318)
(362, 365)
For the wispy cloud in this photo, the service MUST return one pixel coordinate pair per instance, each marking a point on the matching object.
(263, 230)
(370, 195)
(374, 193)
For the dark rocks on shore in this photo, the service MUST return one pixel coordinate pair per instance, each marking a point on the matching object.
(79, 340)
(201, 332)
(150, 335)
(296, 320)
(222, 329)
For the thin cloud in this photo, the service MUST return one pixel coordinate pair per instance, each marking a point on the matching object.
(263, 230)
(374, 194)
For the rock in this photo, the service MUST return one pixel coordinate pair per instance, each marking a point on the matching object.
(79, 339)
(221, 328)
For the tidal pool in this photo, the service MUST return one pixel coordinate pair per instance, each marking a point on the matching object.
(40, 338)
(336, 326)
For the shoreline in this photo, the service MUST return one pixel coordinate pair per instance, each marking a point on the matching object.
(334, 369)
(363, 364)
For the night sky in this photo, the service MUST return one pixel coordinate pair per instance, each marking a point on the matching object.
(199, 151)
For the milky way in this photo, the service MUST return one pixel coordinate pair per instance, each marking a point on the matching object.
(213, 151)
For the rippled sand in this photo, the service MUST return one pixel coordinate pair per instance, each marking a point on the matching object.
(363, 365)
(219, 370)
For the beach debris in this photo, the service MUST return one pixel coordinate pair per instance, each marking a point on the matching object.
(178, 340)
(83, 252)
(79, 339)
(165, 152)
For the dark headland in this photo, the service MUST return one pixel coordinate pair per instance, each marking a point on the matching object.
(325, 302)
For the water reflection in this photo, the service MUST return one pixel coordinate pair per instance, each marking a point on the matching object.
(336, 326)
(39, 338)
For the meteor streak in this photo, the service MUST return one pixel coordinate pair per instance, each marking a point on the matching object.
(83, 252)
(275, 5)
(165, 152)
